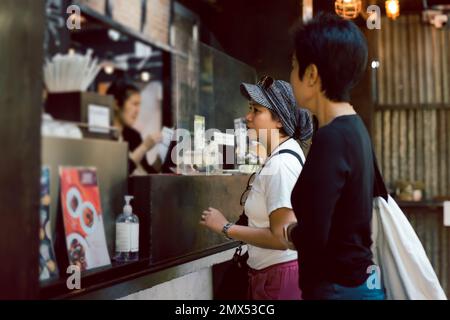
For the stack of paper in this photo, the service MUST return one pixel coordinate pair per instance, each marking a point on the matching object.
(167, 136)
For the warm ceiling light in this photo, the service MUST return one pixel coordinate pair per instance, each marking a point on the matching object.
(109, 68)
(307, 10)
(392, 9)
(146, 76)
(348, 9)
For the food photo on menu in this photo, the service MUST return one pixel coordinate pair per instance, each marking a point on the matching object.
(82, 215)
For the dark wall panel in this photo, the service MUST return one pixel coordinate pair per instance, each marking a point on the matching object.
(21, 36)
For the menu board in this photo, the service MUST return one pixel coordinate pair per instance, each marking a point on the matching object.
(47, 262)
(83, 218)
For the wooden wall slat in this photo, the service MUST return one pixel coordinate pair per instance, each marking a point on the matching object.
(404, 61)
(403, 136)
(429, 85)
(445, 56)
(411, 144)
(388, 61)
(420, 64)
(427, 150)
(436, 65)
(434, 152)
(419, 146)
(448, 153)
(442, 152)
(381, 74)
(378, 140)
(446, 66)
(395, 138)
(412, 50)
(387, 146)
(397, 84)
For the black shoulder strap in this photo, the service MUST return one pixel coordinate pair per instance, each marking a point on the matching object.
(295, 154)
(243, 219)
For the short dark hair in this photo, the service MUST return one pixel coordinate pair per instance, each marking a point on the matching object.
(122, 90)
(338, 49)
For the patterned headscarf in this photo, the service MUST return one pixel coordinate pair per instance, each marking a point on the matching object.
(277, 95)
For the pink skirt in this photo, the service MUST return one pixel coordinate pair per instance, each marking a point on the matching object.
(276, 282)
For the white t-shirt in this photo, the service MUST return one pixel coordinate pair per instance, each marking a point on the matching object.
(271, 190)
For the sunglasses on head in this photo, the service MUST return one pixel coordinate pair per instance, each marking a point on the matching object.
(265, 82)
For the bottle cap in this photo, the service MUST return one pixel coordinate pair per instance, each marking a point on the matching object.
(127, 209)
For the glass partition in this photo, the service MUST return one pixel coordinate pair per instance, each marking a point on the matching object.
(206, 83)
(207, 97)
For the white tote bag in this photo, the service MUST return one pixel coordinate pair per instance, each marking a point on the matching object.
(406, 271)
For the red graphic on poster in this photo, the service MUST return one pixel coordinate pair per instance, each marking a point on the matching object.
(83, 219)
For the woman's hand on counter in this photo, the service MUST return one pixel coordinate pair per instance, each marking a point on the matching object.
(266, 238)
(213, 219)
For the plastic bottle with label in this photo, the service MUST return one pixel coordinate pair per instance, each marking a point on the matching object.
(127, 234)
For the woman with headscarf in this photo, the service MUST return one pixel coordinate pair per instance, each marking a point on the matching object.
(274, 117)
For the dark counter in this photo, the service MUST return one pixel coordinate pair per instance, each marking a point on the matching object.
(169, 208)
